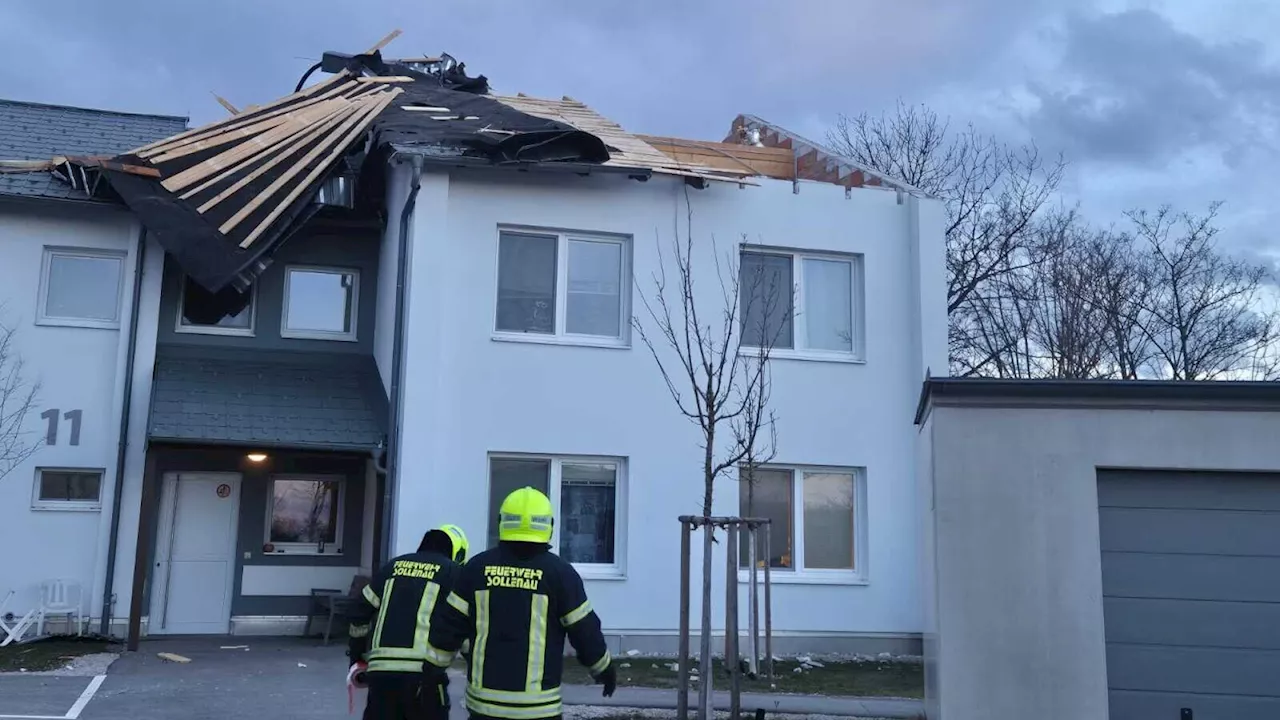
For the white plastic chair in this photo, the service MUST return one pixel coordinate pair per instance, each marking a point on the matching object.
(13, 632)
(60, 597)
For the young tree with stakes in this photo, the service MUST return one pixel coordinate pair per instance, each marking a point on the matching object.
(719, 383)
(17, 398)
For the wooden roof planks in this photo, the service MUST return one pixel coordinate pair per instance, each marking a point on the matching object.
(775, 163)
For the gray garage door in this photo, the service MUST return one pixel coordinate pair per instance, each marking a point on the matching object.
(1191, 593)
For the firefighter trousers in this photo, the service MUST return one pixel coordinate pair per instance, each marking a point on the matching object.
(406, 696)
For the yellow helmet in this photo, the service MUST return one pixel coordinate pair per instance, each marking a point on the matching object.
(526, 516)
(459, 540)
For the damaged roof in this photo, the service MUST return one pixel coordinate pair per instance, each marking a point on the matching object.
(37, 132)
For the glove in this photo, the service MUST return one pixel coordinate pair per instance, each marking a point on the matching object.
(609, 677)
(357, 675)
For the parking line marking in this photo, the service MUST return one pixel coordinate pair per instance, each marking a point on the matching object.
(33, 717)
(85, 697)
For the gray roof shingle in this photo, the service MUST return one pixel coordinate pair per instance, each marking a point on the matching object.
(276, 398)
(32, 131)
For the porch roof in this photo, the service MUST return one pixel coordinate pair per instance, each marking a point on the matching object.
(268, 398)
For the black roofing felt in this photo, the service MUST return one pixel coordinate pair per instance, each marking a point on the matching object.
(284, 399)
(215, 260)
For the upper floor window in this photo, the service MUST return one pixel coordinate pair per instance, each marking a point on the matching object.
(803, 304)
(587, 495)
(227, 312)
(320, 303)
(566, 286)
(81, 287)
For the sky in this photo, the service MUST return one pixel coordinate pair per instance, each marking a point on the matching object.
(1150, 101)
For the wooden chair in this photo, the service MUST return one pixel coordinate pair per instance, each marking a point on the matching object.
(329, 603)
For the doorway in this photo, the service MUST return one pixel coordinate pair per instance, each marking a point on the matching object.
(194, 572)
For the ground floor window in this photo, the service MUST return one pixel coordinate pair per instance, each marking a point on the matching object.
(586, 491)
(67, 489)
(816, 516)
(305, 514)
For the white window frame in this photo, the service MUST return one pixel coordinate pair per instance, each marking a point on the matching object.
(598, 571)
(290, 548)
(46, 265)
(182, 327)
(798, 574)
(68, 505)
(857, 300)
(351, 336)
(560, 336)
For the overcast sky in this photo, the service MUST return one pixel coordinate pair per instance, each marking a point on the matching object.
(1152, 101)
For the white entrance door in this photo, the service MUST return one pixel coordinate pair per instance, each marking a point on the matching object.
(195, 554)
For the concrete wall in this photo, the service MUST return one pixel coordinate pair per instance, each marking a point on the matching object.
(78, 368)
(1018, 584)
(467, 394)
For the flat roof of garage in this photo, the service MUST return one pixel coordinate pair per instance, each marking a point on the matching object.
(1119, 394)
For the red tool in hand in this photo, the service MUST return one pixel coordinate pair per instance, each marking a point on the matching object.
(357, 679)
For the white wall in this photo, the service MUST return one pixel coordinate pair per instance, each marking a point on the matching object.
(467, 395)
(78, 369)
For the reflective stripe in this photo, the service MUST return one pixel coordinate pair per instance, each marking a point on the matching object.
(482, 638)
(425, 606)
(358, 631)
(533, 712)
(575, 615)
(387, 665)
(382, 611)
(397, 653)
(537, 643)
(457, 603)
(601, 664)
(372, 597)
(512, 697)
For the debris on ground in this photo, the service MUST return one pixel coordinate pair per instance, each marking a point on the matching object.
(302, 665)
(234, 647)
(173, 657)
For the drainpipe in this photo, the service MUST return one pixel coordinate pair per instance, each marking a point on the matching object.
(123, 445)
(397, 363)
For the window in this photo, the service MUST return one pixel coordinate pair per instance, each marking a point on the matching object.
(305, 515)
(807, 305)
(68, 489)
(81, 287)
(562, 286)
(585, 492)
(227, 312)
(320, 303)
(816, 518)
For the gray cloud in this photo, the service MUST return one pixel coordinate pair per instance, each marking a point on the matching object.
(1132, 88)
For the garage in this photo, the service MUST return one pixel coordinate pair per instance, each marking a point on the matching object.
(1191, 593)
(1100, 549)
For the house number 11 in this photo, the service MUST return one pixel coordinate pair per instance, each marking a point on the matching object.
(51, 416)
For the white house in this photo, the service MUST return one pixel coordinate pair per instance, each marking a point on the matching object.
(320, 372)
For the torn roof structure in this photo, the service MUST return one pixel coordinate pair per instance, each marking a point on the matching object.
(221, 198)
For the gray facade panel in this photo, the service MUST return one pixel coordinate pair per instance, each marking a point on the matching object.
(1192, 532)
(1191, 577)
(1141, 705)
(1194, 670)
(1148, 621)
(1197, 491)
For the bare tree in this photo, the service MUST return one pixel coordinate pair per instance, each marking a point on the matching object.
(993, 195)
(714, 359)
(17, 398)
(1201, 315)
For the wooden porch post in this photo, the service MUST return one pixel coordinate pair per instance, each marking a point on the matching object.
(142, 556)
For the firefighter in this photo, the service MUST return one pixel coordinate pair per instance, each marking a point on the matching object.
(515, 604)
(389, 630)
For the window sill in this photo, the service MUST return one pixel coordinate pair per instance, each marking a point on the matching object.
(790, 577)
(807, 355)
(213, 330)
(311, 552)
(600, 573)
(77, 323)
(66, 507)
(562, 340)
(304, 335)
